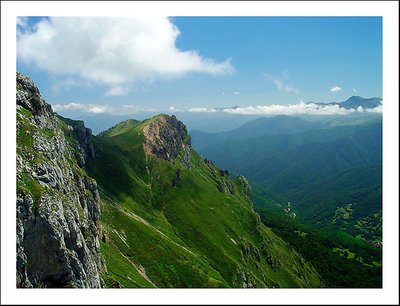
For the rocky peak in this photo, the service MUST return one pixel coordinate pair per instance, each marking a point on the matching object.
(28, 96)
(167, 138)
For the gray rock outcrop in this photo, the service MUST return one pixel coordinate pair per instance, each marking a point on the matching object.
(167, 138)
(58, 204)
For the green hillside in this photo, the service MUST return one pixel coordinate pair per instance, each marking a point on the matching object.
(171, 219)
(341, 260)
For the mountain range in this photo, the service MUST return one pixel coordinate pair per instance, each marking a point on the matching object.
(136, 206)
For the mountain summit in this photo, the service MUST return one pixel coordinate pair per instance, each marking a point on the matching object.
(167, 137)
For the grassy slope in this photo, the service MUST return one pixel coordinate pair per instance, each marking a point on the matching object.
(190, 235)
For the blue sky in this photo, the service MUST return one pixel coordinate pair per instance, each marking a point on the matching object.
(183, 63)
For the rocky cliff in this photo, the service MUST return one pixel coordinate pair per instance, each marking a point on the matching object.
(58, 205)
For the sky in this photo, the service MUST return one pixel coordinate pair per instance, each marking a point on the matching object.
(136, 64)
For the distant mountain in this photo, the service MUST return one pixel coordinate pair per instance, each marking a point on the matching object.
(356, 101)
(278, 125)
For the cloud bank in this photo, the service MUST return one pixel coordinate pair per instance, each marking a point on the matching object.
(291, 109)
(125, 109)
(111, 50)
(203, 110)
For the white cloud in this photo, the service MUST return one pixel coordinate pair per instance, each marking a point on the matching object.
(69, 106)
(377, 109)
(354, 90)
(202, 110)
(336, 89)
(280, 85)
(111, 50)
(97, 109)
(90, 108)
(236, 93)
(124, 109)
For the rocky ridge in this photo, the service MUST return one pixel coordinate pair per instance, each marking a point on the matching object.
(58, 204)
(167, 138)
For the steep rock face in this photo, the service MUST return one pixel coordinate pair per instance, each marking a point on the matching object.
(58, 205)
(245, 187)
(166, 138)
(84, 146)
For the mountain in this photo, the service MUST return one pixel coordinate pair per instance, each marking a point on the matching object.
(198, 223)
(321, 170)
(356, 101)
(136, 206)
